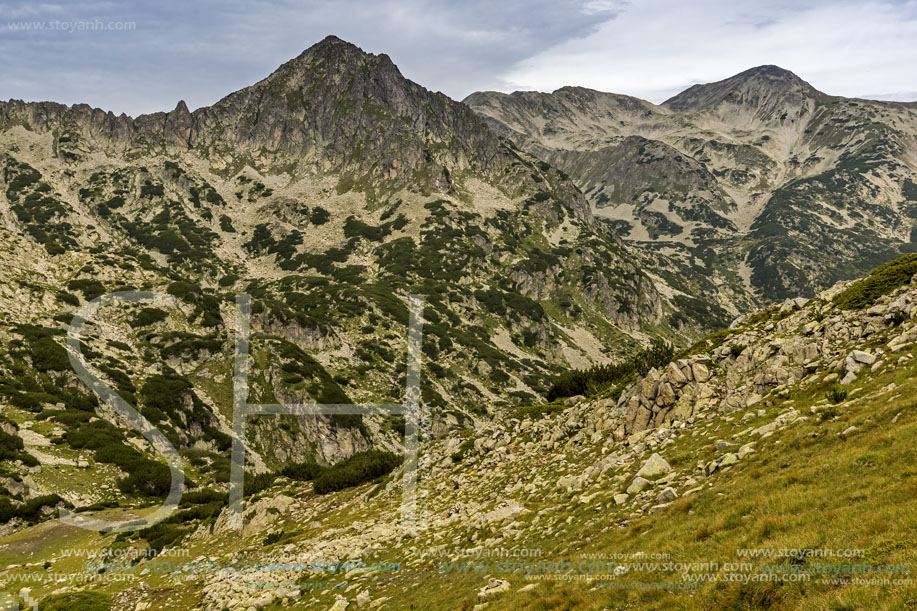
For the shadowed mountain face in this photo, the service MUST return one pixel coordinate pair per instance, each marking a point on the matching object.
(351, 111)
(759, 180)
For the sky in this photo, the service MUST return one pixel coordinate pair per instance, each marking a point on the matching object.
(138, 57)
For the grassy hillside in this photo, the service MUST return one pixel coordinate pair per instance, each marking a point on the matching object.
(782, 477)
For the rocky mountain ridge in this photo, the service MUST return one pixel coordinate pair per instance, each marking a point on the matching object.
(328, 192)
(759, 180)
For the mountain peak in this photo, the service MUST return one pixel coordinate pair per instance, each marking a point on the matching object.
(331, 45)
(335, 54)
(352, 111)
(766, 88)
(769, 70)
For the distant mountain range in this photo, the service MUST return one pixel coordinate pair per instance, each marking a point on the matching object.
(759, 180)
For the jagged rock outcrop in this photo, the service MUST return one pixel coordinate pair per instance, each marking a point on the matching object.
(756, 360)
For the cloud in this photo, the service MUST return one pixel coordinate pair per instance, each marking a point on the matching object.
(602, 7)
(656, 48)
(204, 50)
(201, 51)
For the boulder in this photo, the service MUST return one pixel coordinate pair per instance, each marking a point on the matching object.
(675, 375)
(666, 396)
(863, 357)
(340, 604)
(700, 372)
(493, 588)
(745, 450)
(654, 467)
(637, 485)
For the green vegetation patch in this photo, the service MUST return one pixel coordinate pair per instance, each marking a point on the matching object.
(359, 468)
(882, 281)
(597, 379)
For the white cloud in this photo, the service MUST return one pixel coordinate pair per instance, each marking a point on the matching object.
(601, 7)
(655, 48)
(201, 51)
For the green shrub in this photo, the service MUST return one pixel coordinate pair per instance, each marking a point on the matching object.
(88, 287)
(11, 446)
(48, 355)
(836, 394)
(226, 224)
(204, 497)
(359, 468)
(92, 435)
(164, 393)
(161, 535)
(149, 190)
(169, 241)
(148, 316)
(463, 449)
(184, 290)
(881, 281)
(190, 344)
(7, 510)
(319, 216)
(228, 280)
(302, 472)
(70, 418)
(68, 298)
(34, 509)
(53, 248)
(736, 349)
(258, 483)
(77, 601)
(601, 377)
(147, 478)
(355, 228)
(536, 412)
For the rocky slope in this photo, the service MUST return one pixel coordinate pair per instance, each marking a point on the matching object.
(328, 191)
(332, 190)
(759, 180)
(743, 441)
